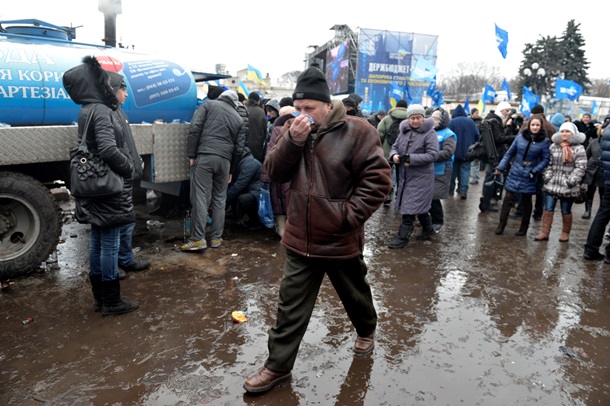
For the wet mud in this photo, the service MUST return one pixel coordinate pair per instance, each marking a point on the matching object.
(467, 317)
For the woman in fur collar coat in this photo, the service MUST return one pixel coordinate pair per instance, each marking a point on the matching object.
(529, 154)
(562, 178)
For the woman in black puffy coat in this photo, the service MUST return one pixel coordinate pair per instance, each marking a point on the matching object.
(96, 89)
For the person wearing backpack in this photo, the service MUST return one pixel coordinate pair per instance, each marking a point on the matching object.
(501, 144)
(388, 130)
(467, 134)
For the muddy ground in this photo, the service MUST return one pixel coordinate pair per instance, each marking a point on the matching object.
(466, 318)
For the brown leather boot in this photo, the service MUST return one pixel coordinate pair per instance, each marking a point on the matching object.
(566, 228)
(265, 379)
(547, 222)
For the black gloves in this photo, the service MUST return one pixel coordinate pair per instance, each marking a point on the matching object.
(533, 174)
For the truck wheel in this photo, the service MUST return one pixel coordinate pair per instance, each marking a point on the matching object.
(30, 224)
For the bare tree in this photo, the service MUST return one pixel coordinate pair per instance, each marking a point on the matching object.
(468, 79)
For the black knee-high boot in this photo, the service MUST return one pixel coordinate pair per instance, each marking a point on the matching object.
(96, 288)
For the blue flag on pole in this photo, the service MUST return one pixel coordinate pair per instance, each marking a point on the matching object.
(569, 110)
(528, 101)
(506, 87)
(437, 98)
(431, 88)
(408, 93)
(489, 94)
(467, 106)
(424, 70)
(594, 108)
(395, 94)
(566, 89)
(502, 40)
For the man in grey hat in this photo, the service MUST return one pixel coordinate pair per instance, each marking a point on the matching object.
(376, 118)
(338, 178)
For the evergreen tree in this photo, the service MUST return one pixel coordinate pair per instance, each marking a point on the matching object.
(547, 53)
(574, 62)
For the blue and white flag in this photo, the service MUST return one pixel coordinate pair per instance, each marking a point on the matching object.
(424, 70)
(502, 40)
(431, 88)
(506, 87)
(437, 98)
(566, 89)
(569, 110)
(594, 108)
(528, 101)
(489, 94)
(467, 106)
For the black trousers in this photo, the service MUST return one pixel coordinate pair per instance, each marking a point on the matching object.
(298, 293)
(436, 212)
(598, 226)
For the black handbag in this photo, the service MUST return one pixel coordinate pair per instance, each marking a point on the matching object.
(582, 196)
(90, 176)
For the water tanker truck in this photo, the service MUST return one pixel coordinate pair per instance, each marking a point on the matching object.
(38, 128)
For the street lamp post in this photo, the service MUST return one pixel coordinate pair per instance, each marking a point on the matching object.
(537, 74)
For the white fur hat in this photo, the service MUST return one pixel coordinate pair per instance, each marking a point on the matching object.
(571, 127)
(503, 106)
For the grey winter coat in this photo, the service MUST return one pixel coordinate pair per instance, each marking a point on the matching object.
(416, 181)
(563, 179)
(217, 129)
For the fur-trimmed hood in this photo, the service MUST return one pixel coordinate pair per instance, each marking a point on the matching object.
(90, 83)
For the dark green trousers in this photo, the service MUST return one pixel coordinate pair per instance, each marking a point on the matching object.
(298, 292)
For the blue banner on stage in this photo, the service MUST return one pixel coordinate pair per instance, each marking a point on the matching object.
(385, 62)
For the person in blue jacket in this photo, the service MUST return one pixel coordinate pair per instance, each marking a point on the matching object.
(529, 154)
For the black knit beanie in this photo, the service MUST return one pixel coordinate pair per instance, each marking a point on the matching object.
(537, 109)
(312, 84)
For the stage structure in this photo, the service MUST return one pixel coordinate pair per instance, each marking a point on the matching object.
(375, 64)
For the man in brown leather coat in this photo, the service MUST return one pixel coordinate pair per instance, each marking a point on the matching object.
(338, 178)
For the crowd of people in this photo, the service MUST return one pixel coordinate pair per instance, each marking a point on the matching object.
(328, 168)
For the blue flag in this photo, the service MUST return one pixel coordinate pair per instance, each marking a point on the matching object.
(408, 93)
(502, 40)
(489, 94)
(437, 98)
(528, 101)
(395, 94)
(569, 110)
(431, 88)
(467, 106)
(506, 87)
(424, 70)
(566, 89)
(594, 108)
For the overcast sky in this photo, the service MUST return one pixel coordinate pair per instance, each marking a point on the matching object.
(274, 36)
